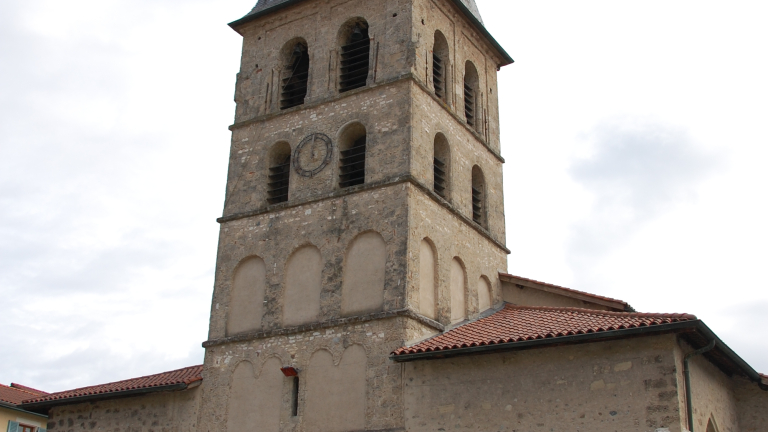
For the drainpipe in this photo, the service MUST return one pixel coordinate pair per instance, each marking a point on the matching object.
(687, 370)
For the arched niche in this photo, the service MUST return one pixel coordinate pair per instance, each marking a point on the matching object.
(458, 291)
(479, 197)
(364, 275)
(712, 425)
(255, 401)
(441, 67)
(278, 172)
(336, 395)
(354, 54)
(483, 294)
(294, 77)
(303, 284)
(442, 167)
(427, 279)
(471, 95)
(247, 298)
(353, 148)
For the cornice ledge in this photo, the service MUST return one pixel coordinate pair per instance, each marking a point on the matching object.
(393, 181)
(287, 331)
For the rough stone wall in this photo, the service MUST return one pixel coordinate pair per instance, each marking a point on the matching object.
(712, 395)
(330, 225)
(451, 237)
(465, 44)
(383, 401)
(752, 404)
(625, 385)
(384, 111)
(155, 412)
(431, 118)
(318, 23)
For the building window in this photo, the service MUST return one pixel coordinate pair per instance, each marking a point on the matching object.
(352, 151)
(441, 68)
(279, 173)
(442, 167)
(478, 197)
(295, 75)
(355, 55)
(471, 84)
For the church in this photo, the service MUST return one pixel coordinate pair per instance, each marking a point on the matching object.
(361, 278)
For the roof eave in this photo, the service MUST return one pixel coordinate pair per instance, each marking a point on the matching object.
(506, 58)
(13, 407)
(44, 406)
(678, 327)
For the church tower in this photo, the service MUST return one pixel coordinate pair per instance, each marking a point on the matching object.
(363, 210)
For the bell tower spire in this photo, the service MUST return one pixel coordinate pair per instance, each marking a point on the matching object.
(363, 207)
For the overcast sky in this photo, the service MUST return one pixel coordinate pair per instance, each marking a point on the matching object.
(634, 134)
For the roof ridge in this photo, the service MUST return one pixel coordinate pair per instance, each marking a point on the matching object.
(601, 312)
(28, 389)
(18, 389)
(568, 289)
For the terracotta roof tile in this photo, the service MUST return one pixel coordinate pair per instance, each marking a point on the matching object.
(181, 376)
(29, 389)
(14, 396)
(524, 323)
(569, 289)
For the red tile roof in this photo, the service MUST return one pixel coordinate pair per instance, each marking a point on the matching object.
(181, 376)
(525, 323)
(583, 293)
(29, 389)
(14, 395)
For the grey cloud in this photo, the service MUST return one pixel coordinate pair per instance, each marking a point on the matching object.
(639, 170)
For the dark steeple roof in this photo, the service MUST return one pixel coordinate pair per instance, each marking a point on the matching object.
(264, 5)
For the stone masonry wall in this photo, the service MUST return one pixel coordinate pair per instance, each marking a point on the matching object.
(752, 404)
(330, 225)
(465, 44)
(429, 119)
(451, 238)
(155, 412)
(627, 386)
(383, 405)
(318, 23)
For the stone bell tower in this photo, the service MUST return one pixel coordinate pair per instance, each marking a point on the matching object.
(363, 210)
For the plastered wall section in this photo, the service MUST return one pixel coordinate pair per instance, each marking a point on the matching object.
(465, 43)
(526, 296)
(158, 412)
(625, 385)
(30, 419)
(451, 237)
(318, 23)
(383, 111)
(752, 404)
(330, 225)
(429, 119)
(383, 403)
(712, 395)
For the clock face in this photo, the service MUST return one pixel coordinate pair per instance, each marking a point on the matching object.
(313, 154)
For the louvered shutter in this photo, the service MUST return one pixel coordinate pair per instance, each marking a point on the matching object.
(41, 430)
(13, 426)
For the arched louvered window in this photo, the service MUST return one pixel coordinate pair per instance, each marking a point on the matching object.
(479, 197)
(441, 68)
(471, 85)
(295, 75)
(352, 149)
(442, 166)
(279, 173)
(355, 55)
